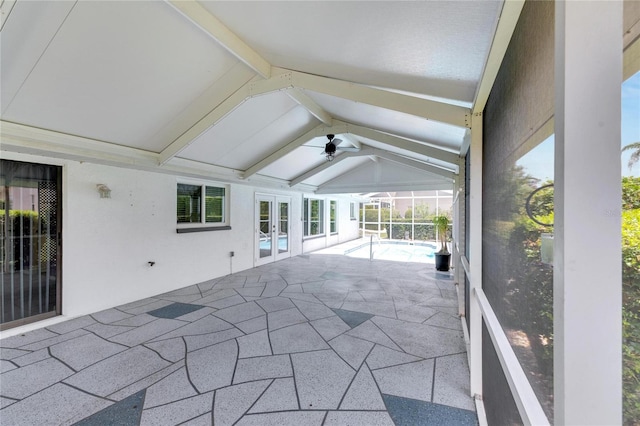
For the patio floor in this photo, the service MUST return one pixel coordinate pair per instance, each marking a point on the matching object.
(312, 340)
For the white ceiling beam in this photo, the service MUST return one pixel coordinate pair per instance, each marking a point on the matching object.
(6, 6)
(631, 35)
(351, 140)
(377, 185)
(324, 166)
(466, 143)
(375, 152)
(237, 76)
(214, 116)
(403, 143)
(316, 110)
(320, 130)
(277, 83)
(294, 81)
(211, 25)
(25, 139)
(18, 138)
(247, 91)
(427, 109)
(381, 187)
(416, 165)
(506, 25)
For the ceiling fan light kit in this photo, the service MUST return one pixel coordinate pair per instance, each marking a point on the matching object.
(330, 147)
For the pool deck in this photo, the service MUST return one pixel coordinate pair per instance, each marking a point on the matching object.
(355, 246)
(312, 340)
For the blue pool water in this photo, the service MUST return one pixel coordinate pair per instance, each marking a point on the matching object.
(398, 251)
(282, 243)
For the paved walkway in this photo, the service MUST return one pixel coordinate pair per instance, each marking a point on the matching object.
(311, 340)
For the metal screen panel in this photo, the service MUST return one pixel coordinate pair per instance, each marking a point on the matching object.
(517, 160)
(30, 242)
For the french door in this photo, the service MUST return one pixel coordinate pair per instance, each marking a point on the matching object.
(30, 245)
(272, 241)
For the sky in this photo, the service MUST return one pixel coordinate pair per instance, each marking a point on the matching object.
(630, 121)
(538, 162)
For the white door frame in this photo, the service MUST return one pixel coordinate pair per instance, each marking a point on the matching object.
(275, 233)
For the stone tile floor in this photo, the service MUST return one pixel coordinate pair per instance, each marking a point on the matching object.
(311, 340)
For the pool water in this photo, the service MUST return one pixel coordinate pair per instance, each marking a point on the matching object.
(283, 242)
(397, 251)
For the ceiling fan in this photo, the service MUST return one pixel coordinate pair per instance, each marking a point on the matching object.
(332, 146)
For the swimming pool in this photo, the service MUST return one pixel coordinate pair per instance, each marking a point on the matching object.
(283, 243)
(399, 251)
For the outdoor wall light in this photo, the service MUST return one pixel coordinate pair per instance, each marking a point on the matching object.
(104, 190)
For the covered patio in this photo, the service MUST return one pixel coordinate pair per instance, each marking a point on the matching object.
(314, 339)
(168, 167)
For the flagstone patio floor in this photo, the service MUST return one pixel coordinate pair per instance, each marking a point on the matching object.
(311, 340)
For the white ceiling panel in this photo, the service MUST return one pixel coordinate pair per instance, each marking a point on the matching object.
(261, 144)
(384, 175)
(21, 49)
(397, 123)
(295, 163)
(337, 170)
(432, 47)
(257, 127)
(117, 71)
(252, 88)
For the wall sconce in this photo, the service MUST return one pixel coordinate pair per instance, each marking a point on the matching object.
(104, 190)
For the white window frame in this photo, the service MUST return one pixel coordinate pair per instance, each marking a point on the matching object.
(353, 215)
(306, 217)
(202, 224)
(333, 205)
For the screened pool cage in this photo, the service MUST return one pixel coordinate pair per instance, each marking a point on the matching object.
(404, 215)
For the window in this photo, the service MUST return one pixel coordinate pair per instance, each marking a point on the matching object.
(352, 211)
(333, 214)
(201, 205)
(313, 217)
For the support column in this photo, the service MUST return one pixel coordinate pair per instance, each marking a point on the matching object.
(475, 254)
(587, 264)
(459, 273)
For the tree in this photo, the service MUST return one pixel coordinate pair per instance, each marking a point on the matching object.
(635, 155)
(441, 223)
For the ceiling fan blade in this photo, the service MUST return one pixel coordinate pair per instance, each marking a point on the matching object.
(337, 141)
(348, 149)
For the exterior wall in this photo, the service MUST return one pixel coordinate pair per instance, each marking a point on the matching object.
(347, 229)
(107, 243)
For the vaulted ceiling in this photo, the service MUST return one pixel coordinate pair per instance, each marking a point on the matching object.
(248, 91)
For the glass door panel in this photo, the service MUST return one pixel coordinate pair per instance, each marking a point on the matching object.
(29, 242)
(272, 228)
(265, 229)
(283, 227)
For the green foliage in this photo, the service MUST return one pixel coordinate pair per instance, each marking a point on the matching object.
(630, 193)
(631, 248)
(17, 214)
(541, 203)
(631, 314)
(420, 231)
(532, 298)
(421, 212)
(631, 299)
(441, 222)
(371, 218)
(20, 219)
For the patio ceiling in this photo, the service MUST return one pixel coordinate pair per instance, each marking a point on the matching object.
(248, 91)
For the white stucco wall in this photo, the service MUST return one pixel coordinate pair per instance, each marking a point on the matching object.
(107, 243)
(347, 228)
